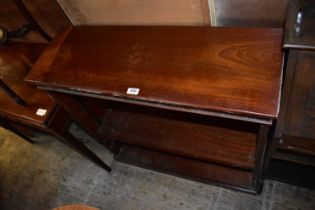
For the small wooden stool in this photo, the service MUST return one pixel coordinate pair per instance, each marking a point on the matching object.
(24, 106)
(76, 207)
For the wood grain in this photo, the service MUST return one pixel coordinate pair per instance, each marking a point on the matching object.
(231, 70)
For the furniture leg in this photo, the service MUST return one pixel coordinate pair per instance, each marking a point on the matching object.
(59, 127)
(80, 147)
(82, 118)
(260, 156)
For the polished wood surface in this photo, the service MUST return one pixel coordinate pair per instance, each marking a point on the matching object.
(16, 59)
(226, 70)
(215, 140)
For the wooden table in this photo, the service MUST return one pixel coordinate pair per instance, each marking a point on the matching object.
(195, 101)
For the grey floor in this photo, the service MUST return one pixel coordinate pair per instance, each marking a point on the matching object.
(48, 175)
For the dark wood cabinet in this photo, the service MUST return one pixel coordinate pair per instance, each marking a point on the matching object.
(293, 145)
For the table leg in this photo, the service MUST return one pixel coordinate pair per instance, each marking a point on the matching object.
(260, 156)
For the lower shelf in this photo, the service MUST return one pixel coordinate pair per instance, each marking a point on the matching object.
(220, 141)
(188, 168)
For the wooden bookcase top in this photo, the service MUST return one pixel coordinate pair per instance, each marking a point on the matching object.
(233, 71)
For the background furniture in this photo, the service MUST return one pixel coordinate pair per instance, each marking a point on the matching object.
(193, 101)
(50, 14)
(292, 153)
(38, 110)
(46, 17)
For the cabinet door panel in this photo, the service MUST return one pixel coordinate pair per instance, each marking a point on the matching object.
(300, 120)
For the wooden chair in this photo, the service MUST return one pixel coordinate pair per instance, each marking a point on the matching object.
(22, 105)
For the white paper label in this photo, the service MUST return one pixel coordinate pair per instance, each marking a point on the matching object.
(133, 91)
(41, 112)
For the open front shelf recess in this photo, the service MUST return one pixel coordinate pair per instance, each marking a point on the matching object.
(185, 167)
(219, 141)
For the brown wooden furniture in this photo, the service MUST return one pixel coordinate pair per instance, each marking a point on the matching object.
(45, 16)
(16, 59)
(292, 153)
(194, 101)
